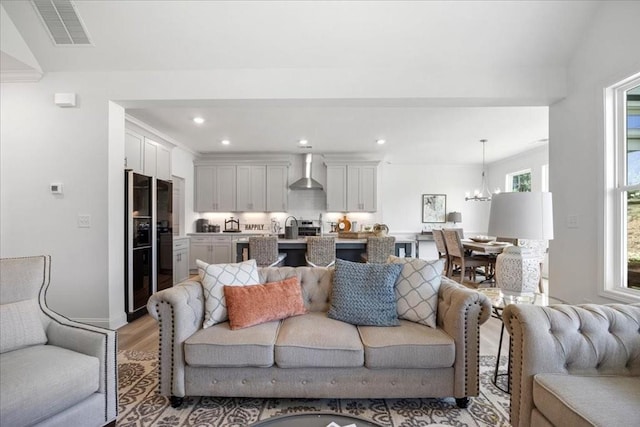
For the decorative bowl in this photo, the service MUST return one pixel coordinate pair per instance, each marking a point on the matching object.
(481, 239)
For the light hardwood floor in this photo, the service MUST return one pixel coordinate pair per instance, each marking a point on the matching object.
(142, 335)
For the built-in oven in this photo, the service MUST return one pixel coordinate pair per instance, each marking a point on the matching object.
(308, 228)
(141, 232)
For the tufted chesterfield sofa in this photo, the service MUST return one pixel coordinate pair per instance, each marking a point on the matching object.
(574, 365)
(313, 356)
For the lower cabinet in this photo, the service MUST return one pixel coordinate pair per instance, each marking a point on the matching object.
(180, 260)
(210, 249)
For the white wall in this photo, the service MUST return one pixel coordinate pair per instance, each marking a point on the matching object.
(608, 54)
(42, 143)
(403, 185)
(533, 159)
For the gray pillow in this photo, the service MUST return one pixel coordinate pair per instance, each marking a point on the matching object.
(363, 294)
(20, 325)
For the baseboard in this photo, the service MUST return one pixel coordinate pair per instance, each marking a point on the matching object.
(113, 323)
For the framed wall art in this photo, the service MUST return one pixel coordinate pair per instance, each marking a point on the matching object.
(434, 208)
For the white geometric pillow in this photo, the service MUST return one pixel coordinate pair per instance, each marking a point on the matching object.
(417, 289)
(214, 277)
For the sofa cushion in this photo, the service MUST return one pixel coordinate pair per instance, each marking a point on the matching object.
(219, 346)
(417, 289)
(315, 341)
(214, 277)
(20, 325)
(410, 345)
(587, 399)
(363, 294)
(255, 304)
(40, 381)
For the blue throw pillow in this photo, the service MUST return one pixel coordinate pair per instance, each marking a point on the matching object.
(364, 294)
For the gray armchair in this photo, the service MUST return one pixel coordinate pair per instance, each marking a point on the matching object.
(53, 371)
(574, 365)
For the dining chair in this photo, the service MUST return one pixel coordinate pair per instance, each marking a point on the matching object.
(458, 257)
(321, 251)
(379, 248)
(441, 246)
(264, 249)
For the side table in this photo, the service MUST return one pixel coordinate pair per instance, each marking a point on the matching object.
(498, 303)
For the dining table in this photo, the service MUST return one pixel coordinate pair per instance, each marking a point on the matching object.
(492, 247)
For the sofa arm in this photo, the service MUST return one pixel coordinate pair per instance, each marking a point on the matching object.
(92, 341)
(180, 312)
(585, 339)
(461, 311)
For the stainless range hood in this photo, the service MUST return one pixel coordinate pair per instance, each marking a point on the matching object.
(306, 183)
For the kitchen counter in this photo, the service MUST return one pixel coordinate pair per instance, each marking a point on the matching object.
(347, 249)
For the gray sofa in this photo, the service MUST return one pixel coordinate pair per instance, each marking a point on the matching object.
(313, 356)
(53, 371)
(574, 365)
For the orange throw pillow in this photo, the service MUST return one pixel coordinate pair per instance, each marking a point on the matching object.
(254, 304)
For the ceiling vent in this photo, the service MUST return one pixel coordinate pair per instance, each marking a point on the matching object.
(62, 21)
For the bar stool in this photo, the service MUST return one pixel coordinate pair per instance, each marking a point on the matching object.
(265, 251)
(379, 249)
(321, 251)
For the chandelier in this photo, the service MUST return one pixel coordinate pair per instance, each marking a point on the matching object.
(483, 194)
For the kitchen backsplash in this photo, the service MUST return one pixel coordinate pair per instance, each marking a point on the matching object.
(254, 220)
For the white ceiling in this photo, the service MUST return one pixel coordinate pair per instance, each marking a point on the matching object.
(377, 35)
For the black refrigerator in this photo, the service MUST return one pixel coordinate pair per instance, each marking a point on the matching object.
(164, 234)
(139, 243)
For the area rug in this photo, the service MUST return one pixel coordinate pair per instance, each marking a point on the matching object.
(141, 405)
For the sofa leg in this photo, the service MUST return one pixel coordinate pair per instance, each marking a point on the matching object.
(176, 401)
(462, 402)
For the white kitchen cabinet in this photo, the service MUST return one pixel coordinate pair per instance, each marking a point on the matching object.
(251, 188)
(215, 188)
(210, 249)
(277, 188)
(180, 260)
(150, 154)
(146, 157)
(163, 163)
(362, 188)
(352, 186)
(133, 151)
(336, 188)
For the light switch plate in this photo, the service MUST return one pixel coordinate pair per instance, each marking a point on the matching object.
(572, 221)
(84, 221)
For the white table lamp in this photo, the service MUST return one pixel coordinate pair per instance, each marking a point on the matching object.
(520, 216)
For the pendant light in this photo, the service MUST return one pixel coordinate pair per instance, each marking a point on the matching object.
(483, 194)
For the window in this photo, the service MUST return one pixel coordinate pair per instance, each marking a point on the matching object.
(519, 181)
(621, 251)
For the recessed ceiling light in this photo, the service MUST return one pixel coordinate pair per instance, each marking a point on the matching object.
(303, 142)
(380, 141)
(198, 120)
(225, 142)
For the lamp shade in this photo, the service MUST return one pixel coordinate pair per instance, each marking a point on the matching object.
(454, 217)
(523, 215)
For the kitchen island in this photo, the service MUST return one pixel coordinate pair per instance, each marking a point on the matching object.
(347, 249)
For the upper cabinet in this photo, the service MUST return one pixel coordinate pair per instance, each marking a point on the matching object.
(146, 156)
(336, 188)
(245, 184)
(133, 152)
(251, 188)
(277, 188)
(352, 186)
(362, 188)
(215, 188)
